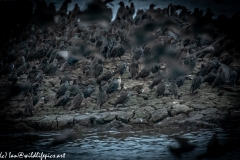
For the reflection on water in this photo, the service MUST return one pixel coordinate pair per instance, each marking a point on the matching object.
(144, 144)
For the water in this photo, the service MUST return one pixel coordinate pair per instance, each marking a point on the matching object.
(138, 144)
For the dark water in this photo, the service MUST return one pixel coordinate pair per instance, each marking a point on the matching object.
(138, 144)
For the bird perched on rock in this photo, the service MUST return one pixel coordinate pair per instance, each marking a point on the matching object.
(137, 54)
(190, 62)
(120, 69)
(102, 96)
(156, 79)
(203, 70)
(117, 51)
(184, 147)
(160, 89)
(98, 68)
(62, 89)
(63, 99)
(155, 67)
(22, 69)
(88, 91)
(210, 77)
(134, 69)
(32, 74)
(113, 86)
(174, 89)
(74, 88)
(123, 98)
(28, 105)
(132, 9)
(196, 83)
(52, 67)
(77, 100)
(35, 99)
(120, 9)
(65, 78)
(180, 81)
(104, 77)
(44, 64)
(143, 73)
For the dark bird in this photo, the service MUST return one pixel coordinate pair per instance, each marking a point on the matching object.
(117, 51)
(196, 83)
(156, 79)
(28, 105)
(77, 100)
(104, 77)
(22, 69)
(98, 68)
(120, 69)
(173, 88)
(44, 64)
(120, 9)
(137, 54)
(62, 89)
(35, 99)
(114, 85)
(210, 77)
(65, 78)
(203, 70)
(155, 67)
(102, 96)
(134, 69)
(88, 91)
(63, 99)
(132, 9)
(123, 98)
(51, 68)
(160, 89)
(32, 74)
(189, 62)
(180, 81)
(184, 146)
(143, 73)
(74, 89)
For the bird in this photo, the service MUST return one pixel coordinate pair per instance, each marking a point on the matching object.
(98, 68)
(77, 100)
(88, 91)
(64, 137)
(13, 78)
(180, 81)
(117, 51)
(143, 73)
(32, 74)
(132, 9)
(35, 99)
(114, 85)
(196, 83)
(120, 9)
(51, 68)
(63, 100)
(28, 105)
(156, 79)
(174, 89)
(65, 78)
(184, 146)
(104, 77)
(102, 96)
(155, 67)
(21, 70)
(62, 89)
(160, 89)
(44, 64)
(123, 98)
(134, 69)
(74, 88)
(120, 69)
(210, 77)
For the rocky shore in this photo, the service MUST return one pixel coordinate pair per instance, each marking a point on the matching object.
(208, 107)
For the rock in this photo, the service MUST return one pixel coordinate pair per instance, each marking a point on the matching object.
(118, 125)
(140, 116)
(65, 121)
(179, 108)
(82, 120)
(124, 116)
(159, 115)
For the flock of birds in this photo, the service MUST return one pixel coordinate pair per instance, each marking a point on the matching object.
(160, 42)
